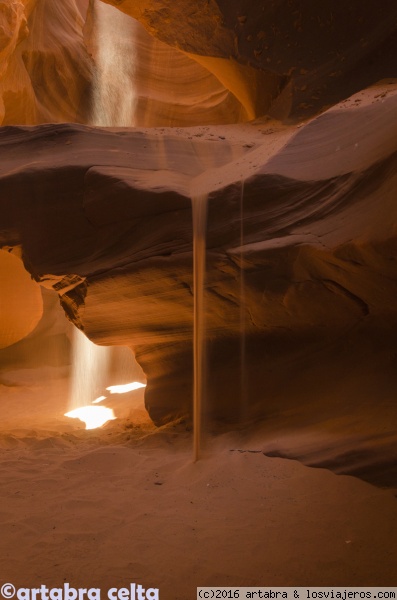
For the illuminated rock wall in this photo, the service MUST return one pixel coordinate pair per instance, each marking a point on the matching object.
(301, 273)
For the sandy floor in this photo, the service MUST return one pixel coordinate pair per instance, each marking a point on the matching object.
(120, 505)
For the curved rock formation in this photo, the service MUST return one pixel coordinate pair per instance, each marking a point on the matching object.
(301, 237)
(301, 279)
(50, 72)
(319, 53)
(165, 86)
(21, 306)
(46, 71)
(215, 63)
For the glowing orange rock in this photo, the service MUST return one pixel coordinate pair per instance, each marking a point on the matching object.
(21, 304)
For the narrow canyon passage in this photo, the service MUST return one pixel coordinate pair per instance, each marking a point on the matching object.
(197, 295)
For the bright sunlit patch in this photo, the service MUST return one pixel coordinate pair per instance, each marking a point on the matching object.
(92, 416)
(127, 387)
(98, 400)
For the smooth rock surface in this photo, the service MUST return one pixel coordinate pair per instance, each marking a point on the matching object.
(320, 53)
(21, 305)
(300, 291)
(45, 68)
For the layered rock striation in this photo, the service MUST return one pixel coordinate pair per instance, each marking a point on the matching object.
(207, 63)
(318, 53)
(301, 232)
(301, 272)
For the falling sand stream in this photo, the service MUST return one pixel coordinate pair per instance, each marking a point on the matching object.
(243, 382)
(199, 213)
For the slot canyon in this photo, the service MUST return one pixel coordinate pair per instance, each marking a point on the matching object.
(198, 283)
